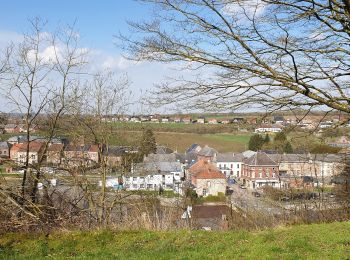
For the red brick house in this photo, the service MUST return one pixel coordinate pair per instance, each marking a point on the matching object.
(260, 170)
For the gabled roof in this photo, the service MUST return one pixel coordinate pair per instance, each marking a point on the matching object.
(33, 147)
(161, 158)
(260, 158)
(163, 150)
(201, 166)
(208, 174)
(4, 145)
(55, 148)
(156, 168)
(192, 148)
(224, 157)
(207, 151)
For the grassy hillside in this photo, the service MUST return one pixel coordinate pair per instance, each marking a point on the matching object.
(321, 241)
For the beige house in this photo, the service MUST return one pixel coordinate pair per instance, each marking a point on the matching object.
(18, 152)
(55, 153)
(210, 183)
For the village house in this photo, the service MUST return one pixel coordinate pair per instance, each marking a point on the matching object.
(209, 182)
(18, 152)
(12, 128)
(269, 129)
(212, 121)
(206, 178)
(260, 170)
(207, 154)
(279, 120)
(54, 154)
(230, 164)
(165, 120)
(114, 155)
(201, 120)
(154, 176)
(176, 119)
(238, 120)
(4, 150)
(81, 154)
(187, 120)
(226, 121)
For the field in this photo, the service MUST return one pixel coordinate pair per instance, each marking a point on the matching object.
(181, 141)
(317, 241)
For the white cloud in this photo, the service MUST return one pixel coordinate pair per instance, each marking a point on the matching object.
(118, 62)
(249, 7)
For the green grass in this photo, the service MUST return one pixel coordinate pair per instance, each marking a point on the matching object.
(318, 241)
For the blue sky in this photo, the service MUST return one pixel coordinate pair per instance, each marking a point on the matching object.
(97, 22)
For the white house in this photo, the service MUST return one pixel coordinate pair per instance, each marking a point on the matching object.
(154, 175)
(269, 129)
(230, 164)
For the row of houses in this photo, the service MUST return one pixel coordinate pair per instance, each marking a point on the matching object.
(17, 128)
(202, 168)
(209, 172)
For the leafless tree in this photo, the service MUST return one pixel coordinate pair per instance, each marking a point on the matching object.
(260, 53)
(42, 71)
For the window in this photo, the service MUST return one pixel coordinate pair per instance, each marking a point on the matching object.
(134, 186)
(208, 183)
(260, 174)
(142, 186)
(204, 192)
(231, 166)
(237, 166)
(134, 178)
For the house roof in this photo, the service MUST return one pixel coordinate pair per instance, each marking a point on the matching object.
(187, 158)
(116, 150)
(4, 145)
(55, 148)
(193, 148)
(163, 150)
(260, 158)
(208, 174)
(210, 211)
(161, 158)
(201, 166)
(225, 157)
(33, 147)
(10, 126)
(248, 153)
(207, 151)
(93, 148)
(156, 167)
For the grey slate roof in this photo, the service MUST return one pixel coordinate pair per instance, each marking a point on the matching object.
(207, 151)
(4, 145)
(225, 157)
(260, 158)
(156, 168)
(161, 158)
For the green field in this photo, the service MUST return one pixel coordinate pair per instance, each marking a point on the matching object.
(181, 141)
(317, 241)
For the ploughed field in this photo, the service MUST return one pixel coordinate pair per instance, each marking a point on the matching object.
(316, 241)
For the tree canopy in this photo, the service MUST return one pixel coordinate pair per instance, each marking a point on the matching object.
(257, 53)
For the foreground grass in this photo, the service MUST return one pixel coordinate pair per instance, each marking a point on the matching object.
(318, 241)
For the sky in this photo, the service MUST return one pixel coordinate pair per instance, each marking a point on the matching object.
(97, 22)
